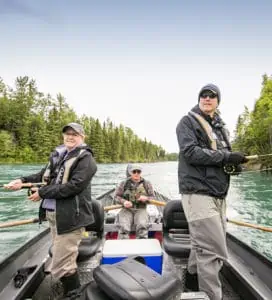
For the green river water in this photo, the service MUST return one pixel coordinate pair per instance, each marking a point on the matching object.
(249, 200)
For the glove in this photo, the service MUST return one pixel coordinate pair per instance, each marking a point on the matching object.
(236, 158)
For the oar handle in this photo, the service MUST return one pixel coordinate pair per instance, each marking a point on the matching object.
(268, 229)
(156, 202)
(111, 207)
(19, 222)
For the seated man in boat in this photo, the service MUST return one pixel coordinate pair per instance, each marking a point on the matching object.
(133, 193)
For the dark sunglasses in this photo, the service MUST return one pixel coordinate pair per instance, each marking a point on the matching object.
(136, 171)
(208, 94)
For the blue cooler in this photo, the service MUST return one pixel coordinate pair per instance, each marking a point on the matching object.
(150, 249)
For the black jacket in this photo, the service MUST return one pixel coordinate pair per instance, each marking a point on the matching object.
(200, 169)
(73, 198)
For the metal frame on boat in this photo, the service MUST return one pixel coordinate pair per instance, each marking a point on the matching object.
(246, 275)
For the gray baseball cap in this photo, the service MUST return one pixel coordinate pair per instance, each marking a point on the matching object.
(75, 126)
(133, 167)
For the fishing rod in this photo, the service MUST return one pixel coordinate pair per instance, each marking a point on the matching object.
(235, 170)
(256, 156)
(27, 185)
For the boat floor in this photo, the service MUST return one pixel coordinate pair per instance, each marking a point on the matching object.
(52, 289)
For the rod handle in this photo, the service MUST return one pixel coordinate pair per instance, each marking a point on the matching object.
(252, 157)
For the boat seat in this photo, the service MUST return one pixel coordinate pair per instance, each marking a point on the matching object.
(176, 237)
(131, 279)
(110, 219)
(90, 245)
(92, 292)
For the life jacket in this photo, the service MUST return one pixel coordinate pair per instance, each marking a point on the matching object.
(61, 170)
(132, 191)
(216, 142)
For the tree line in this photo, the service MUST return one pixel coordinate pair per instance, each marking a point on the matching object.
(253, 133)
(31, 122)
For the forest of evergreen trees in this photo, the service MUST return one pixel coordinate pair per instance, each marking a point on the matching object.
(253, 134)
(31, 123)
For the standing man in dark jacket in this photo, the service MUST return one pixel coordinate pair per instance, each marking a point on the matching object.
(204, 152)
(66, 201)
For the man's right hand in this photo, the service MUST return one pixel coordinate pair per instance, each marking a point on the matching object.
(128, 204)
(236, 158)
(14, 185)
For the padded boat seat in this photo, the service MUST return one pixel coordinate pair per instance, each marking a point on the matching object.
(92, 292)
(90, 245)
(110, 219)
(131, 279)
(176, 237)
(87, 248)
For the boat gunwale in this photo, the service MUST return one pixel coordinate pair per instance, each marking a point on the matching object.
(10, 258)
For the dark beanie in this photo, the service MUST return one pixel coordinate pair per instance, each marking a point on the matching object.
(213, 88)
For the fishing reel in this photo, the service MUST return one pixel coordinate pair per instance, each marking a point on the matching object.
(30, 192)
(232, 169)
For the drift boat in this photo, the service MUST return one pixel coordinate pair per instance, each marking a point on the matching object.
(152, 268)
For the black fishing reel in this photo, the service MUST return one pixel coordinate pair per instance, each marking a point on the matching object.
(232, 169)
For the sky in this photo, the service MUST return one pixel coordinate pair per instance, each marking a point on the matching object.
(140, 63)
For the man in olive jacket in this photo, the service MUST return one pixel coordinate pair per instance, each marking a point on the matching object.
(203, 183)
(66, 201)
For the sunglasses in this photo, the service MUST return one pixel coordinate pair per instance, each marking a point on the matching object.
(136, 171)
(208, 94)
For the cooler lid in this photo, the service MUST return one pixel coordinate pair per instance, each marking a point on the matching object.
(142, 247)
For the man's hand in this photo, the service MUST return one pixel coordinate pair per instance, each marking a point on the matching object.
(142, 198)
(128, 204)
(14, 185)
(35, 196)
(237, 158)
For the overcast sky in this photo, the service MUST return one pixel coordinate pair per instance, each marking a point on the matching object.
(140, 63)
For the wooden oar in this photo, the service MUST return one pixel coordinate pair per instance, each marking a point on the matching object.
(240, 223)
(117, 206)
(19, 222)
(111, 207)
(156, 202)
(106, 208)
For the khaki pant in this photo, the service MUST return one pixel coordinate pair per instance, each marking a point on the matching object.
(207, 224)
(129, 216)
(64, 249)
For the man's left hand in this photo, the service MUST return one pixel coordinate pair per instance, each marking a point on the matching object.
(143, 198)
(35, 196)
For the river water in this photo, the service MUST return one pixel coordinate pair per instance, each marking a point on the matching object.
(249, 200)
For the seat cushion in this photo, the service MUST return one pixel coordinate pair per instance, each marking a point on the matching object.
(92, 292)
(87, 248)
(177, 247)
(132, 280)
